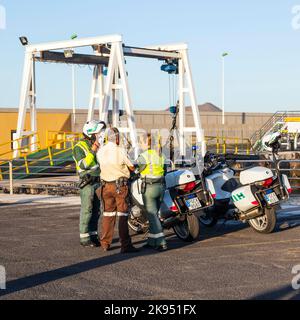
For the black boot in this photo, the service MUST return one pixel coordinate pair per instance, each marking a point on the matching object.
(90, 244)
(130, 249)
(95, 240)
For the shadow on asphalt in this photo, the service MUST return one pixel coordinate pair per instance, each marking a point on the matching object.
(286, 292)
(221, 229)
(24, 201)
(283, 224)
(173, 242)
(68, 271)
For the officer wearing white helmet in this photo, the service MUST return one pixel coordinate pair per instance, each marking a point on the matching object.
(84, 154)
(270, 142)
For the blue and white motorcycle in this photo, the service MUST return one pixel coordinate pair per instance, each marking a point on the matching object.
(253, 198)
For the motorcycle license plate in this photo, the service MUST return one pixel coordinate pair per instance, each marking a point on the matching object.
(271, 197)
(193, 203)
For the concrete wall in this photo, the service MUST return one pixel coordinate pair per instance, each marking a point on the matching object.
(237, 124)
(48, 120)
(240, 125)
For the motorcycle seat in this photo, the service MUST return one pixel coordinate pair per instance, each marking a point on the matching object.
(231, 185)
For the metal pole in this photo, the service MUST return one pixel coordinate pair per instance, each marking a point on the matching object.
(73, 37)
(223, 87)
(11, 187)
(74, 94)
(223, 90)
(33, 111)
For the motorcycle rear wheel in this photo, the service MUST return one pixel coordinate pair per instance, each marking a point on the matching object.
(266, 223)
(208, 220)
(211, 216)
(188, 230)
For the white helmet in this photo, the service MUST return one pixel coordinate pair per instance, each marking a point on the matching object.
(269, 140)
(93, 127)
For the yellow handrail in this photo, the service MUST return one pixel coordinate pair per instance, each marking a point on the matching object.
(53, 137)
(9, 154)
(26, 165)
(58, 140)
(229, 142)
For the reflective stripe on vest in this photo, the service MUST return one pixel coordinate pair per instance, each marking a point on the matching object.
(84, 147)
(154, 164)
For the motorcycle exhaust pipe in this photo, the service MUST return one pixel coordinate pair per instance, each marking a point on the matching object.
(251, 215)
(170, 222)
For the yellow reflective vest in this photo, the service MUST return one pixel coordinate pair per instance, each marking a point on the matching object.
(85, 159)
(155, 164)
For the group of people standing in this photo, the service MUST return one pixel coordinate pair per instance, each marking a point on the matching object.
(104, 170)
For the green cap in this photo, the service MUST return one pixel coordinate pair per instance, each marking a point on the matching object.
(225, 54)
(74, 36)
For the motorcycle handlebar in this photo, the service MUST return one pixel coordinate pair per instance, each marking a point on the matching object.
(228, 159)
(241, 157)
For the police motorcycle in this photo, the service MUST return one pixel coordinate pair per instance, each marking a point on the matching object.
(184, 197)
(253, 198)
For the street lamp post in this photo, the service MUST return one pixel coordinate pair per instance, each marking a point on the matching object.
(73, 37)
(223, 87)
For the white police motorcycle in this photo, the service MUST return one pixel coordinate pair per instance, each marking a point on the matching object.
(183, 199)
(253, 198)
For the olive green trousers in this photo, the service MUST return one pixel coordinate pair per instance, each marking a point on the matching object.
(152, 200)
(89, 214)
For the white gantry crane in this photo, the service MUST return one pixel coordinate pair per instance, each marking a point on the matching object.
(108, 56)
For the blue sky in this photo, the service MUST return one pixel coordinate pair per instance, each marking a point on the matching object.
(262, 71)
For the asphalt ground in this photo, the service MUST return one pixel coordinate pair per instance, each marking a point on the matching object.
(39, 248)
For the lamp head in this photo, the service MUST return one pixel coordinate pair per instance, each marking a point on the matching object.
(24, 40)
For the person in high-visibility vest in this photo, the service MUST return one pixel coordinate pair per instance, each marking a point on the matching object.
(152, 167)
(84, 154)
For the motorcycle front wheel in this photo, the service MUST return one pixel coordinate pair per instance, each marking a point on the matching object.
(188, 230)
(208, 220)
(266, 223)
(212, 214)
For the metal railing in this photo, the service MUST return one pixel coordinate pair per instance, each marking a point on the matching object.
(9, 165)
(61, 138)
(279, 118)
(223, 145)
(51, 150)
(72, 171)
(271, 165)
(19, 146)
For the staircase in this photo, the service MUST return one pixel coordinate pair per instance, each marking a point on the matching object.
(277, 120)
(275, 123)
(53, 160)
